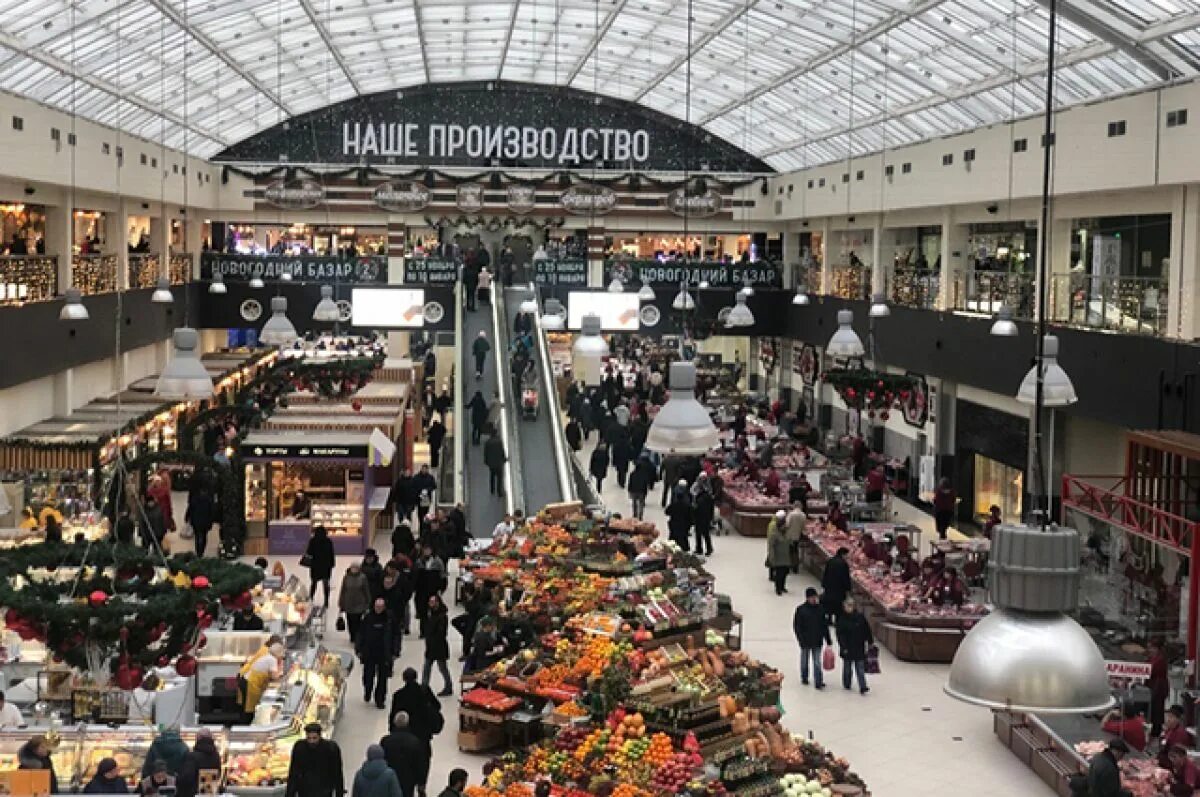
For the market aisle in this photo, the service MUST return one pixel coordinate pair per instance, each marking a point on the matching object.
(905, 738)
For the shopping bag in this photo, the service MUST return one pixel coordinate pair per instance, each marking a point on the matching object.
(341, 622)
(828, 658)
(873, 660)
(187, 532)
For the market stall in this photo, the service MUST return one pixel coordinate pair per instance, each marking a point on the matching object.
(298, 480)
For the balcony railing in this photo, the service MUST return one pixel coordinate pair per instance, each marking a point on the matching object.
(143, 270)
(93, 274)
(850, 282)
(1105, 498)
(28, 278)
(179, 268)
(986, 291)
(914, 287)
(1134, 305)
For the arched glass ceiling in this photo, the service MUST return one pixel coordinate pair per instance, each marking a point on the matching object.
(796, 82)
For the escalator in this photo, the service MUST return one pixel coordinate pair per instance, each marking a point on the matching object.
(484, 510)
(542, 456)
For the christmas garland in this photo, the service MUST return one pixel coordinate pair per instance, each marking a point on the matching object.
(338, 379)
(870, 391)
(115, 605)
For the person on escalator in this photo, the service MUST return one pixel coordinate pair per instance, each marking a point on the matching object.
(480, 348)
(435, 435)
(494, 457)
(479, 414)
(471, 273)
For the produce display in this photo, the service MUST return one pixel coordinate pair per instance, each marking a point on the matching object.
(640, 695)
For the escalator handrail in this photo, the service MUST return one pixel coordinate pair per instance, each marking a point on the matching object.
(514, 486)
(460, 437)
(566, 480)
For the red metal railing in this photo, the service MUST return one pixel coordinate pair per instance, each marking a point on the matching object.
(1104, 498)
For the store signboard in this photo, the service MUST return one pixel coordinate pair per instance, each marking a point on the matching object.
(402, 196)
(618, 311)
(469, 197)
(1123, 673)
(717, 275)
(694, 206)
(587, 200)
(240, 268)
(521, 198)
(259, 450)
(430, 271)
(295, 194)
(567, 271)
(393, 308)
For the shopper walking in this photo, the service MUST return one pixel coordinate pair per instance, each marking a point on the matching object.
(622, 451)
(354, 598)
(108, 779)
(703, 511)
(201, 514)
(797, 522)
(598, 466)
(479, 413)
(479, 349)
(574, 435)
(319, 559)
(945, 501)
(835, 580)
(406, 755)
(485, 286)
(854, 637)
(1159, 684)
(429, 578)
(437, 646)
(316, 767)
(375, 778)
(779, 560)
(457, 784)
(435, 435)
(374, 649)
(679, 516)
(422, 706)
(494, 457)
(168, 748)
(808, 623)
(641, 481)
(471, 284)
(204, 756)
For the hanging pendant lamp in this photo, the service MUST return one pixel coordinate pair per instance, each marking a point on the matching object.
(616, 286)
(162, 294)
(879, 307)
(1057, 389)
(256, 282)
(845, 342)
(683, 300)
(801, 298)
(185, 377)
(646, 293)
(682, 426)
(1004, 326)
(217, 285)
(278, 331)
(326, 309)
(73, 309)
(740, 315)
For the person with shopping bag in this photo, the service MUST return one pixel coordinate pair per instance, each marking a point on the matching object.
(854, 639)
(811, 632)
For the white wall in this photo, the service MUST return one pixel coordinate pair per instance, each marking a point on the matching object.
(1093, 448)
(25, 405)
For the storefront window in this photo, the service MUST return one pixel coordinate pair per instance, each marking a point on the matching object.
(997, 484)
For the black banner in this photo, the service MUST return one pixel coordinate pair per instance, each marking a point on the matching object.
(430, 271)
(717, 275)
(571, 271)
(485, 124)
(270, 268)
(262, 450)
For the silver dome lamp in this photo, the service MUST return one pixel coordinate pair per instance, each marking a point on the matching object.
(73, 309)
(162, 292)
(529, 305)
(1057, 389)
(740, 315)
(256, 282)
(646, 293)
(217, 285)
(589, 350)
(185, 376)
(278, 331)
(326, 309)
(616, 286)
(683, 300)
(879, 307)
(845, 341)
(801, 297)
(682, 427)
(1004, 326)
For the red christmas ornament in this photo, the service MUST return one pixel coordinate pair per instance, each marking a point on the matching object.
(98, 597)
(155, 634)
(356, 405)
(879, 384)
(201, 642)
(870, 395)
(200, 582)
(163, 661)
(904, 394)
(185, 665)
(126, 678)
(185, 647)
(205, 621)
(26, 633)
(885, 415)
(851, 393)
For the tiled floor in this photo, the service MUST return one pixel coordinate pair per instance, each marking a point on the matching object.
(905, 738)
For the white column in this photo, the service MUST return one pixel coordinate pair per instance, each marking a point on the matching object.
(595, 254)
(1058, 291)
(1183, 319)
(193, 241)
(826, 255)
(64, 392)
(160, 239)
(116, 240)
(399, 342)
(880, 270)
(954, 260)
(59, 238)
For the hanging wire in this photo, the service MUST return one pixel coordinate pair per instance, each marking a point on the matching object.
(1012, 108)
(687, 117)
(850, 103)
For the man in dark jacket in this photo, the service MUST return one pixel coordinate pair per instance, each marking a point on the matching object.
(494, 457)
(480, 348)
(621, 450)
(679, 516)
(435, 435)
(201, 514)
(811, 630)
(204, 756)
(423, 482)
(316, 768)
(640, 483)
(703, 511)
(479, 412)
(422, 706)
(402, 496)
(1104, 771)
(406, 754)
(374, 646)
(169, 748)
(854, 637)
(574, 435)
(457, 784)
(835, 580)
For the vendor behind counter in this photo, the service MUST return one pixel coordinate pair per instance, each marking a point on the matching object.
(260, 669)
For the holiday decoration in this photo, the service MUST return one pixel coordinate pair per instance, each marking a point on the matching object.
(131, 622)
(185, 665)
(356, 405)
(868, 391)
(200, 582)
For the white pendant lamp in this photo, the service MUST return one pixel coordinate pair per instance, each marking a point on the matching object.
(845, 342)
(218, 284)
(646, 293)
(704, 285)
(683, 300)
(256, 282)
(747, 291)
(1028, 655)
(1004, 326)
(616, 286)
(879, 307)
(286, 276)
(589, 351)
(73, 309)
(162, 293)
(278, 331)
(185, 377)
(528, 306)
(1057, 390)
(801, 298)
(326, 309)
(552, 322)
(682, 427)
(740, 315)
